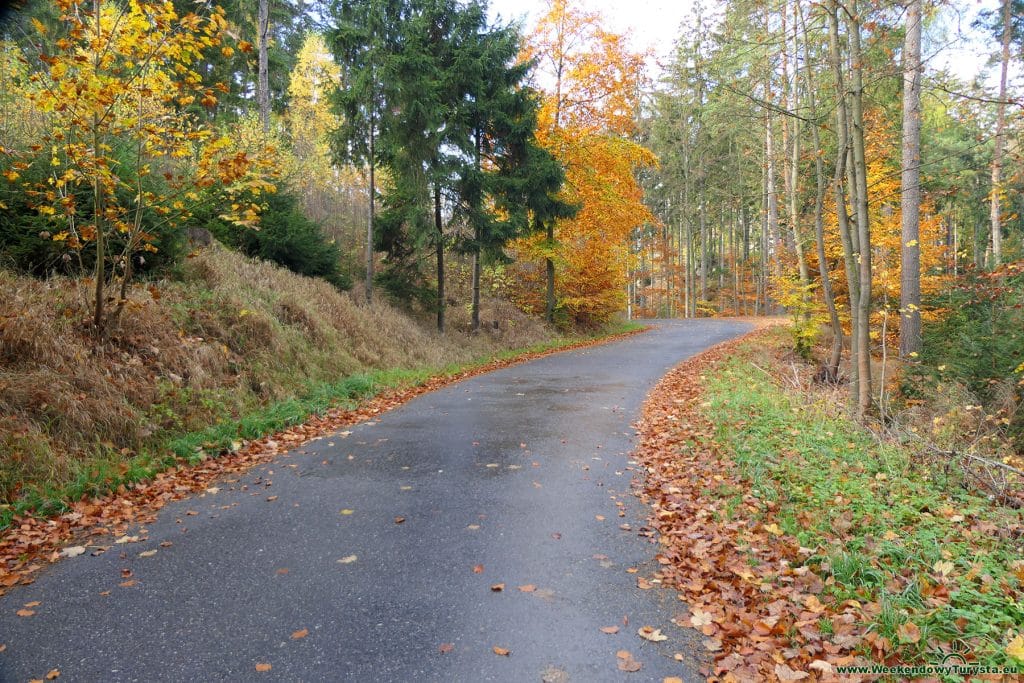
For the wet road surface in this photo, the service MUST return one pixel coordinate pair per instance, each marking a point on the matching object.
(513, 477)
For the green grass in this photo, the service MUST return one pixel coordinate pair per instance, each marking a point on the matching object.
(107, 469)
(903, 517)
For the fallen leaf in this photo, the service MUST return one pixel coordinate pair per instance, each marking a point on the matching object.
(909, 632)
(282, 571)
(127, 584)
(786, 674)
(627, 663)
(73, 551)
(672, 679)
(148, 553)
(399, 520)
(820, 665)
(700, 618)
(498, 587)
(127, 539)
(652, 634)
(943, 567)
(610, 630)
(712, 644)
(3, 648)
(478, 569)
(348, 559)
(302, 633)
(445, 648)
(261, 667)
(599, 518)
(25, 612)
(53, 674)
(773, 529)
(34, 603)
(501, 651)
(346, 511)
(528, 588)
(473, 527)
(166, 544)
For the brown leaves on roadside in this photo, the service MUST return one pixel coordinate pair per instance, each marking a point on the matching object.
(500, 651)
(759, 613)
(25, 612)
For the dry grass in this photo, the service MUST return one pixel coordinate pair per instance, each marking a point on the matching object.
(225, 336)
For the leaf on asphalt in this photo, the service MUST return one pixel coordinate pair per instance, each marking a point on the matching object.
(282, 571)
(261, 667)
(498, 587)
(346, 511)
(786, 674)
(3, 647)
(599, 518)
(643, 584)
(478, 569)
(473, 527)
(626, 661)
(610, 630)
(672, 679)
(652, 634)
(148, 553)
(301, 633)
(399, 520)
(127, 539)
(712, 644)
(127, 584)
(25, 612)
(53, 674)
(348, 559)
(445, 648)
(165, 544)
(528, 588)
(34, 603)
(73, 551)
(126, 573)
(503, 652)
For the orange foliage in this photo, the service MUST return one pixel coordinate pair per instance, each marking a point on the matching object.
(586, 119)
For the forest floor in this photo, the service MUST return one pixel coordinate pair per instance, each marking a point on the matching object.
(803, 544)
(483, 531)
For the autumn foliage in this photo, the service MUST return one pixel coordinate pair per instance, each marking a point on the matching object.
(587, 121)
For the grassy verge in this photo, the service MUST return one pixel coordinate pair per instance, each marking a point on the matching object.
(109, 469)
(930, 563)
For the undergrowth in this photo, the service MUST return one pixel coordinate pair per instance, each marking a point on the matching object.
(902, 539)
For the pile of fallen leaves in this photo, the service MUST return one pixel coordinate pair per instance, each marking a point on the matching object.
(760, 621)
(767, 606)
(31, 543)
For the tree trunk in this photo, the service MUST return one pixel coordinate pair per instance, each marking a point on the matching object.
(910, 195)
(831, 369)
(371, 214)
(440, 258)
(997, 155)
(864, 398)
(263, 81)
(549, 309)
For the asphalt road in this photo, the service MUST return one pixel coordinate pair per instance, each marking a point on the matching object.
(511, 477)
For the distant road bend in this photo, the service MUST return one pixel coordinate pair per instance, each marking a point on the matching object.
(476, 519)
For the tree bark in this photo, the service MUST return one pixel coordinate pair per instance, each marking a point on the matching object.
(371, 213)
(910, 195)
(439, 227)
(263, 80)
(997, 154)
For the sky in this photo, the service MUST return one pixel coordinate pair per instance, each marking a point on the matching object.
(655, 24)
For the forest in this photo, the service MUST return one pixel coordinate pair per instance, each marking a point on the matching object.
(219, 220)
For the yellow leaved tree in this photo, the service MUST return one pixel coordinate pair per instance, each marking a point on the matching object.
(126, 152)
(592, 84)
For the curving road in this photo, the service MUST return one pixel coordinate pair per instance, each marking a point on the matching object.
(508, 478)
